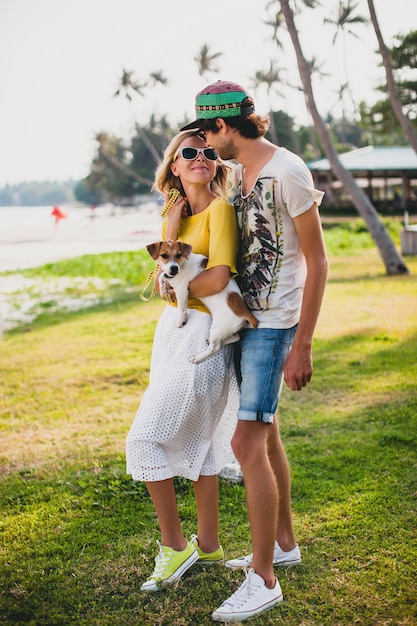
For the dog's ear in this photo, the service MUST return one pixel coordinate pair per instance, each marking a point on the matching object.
(186, 249)
(153, 249)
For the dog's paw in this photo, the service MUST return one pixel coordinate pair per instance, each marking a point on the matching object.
(182, 320)
(200, 356)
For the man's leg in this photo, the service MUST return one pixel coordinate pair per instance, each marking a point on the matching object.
(279, 463)
(262, 356)
(249, 444)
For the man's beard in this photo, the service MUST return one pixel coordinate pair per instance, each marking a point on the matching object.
(227, 151)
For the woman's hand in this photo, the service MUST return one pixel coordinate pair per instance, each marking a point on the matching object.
(164, 289)
(167, 293)
(176, 212)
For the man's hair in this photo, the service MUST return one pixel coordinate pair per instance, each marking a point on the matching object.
(251, 126)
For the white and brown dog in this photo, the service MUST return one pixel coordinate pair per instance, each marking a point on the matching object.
(228, 310)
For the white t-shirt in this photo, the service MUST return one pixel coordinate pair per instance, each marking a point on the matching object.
(271, 265)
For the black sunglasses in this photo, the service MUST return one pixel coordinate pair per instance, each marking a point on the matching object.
(189, 154)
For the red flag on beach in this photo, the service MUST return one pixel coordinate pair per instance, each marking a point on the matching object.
(58, 213)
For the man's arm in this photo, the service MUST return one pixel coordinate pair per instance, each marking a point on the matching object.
(298, 368)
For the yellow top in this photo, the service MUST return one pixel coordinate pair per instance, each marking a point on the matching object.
(214, 233)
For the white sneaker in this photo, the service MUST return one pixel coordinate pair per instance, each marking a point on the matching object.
(293, 557)
(252, 598)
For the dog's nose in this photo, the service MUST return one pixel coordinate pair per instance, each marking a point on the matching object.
(173, 270)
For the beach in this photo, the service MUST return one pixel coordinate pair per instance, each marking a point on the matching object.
(29, 236)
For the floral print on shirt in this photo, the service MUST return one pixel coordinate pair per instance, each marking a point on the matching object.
(261, 246)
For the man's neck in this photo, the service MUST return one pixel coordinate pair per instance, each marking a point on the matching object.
(253, 151)
(254, 155)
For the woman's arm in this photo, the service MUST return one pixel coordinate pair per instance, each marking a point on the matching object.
(210, 281)
(178, 210)
(207, 283)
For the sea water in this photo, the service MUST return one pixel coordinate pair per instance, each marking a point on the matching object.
(31, 236)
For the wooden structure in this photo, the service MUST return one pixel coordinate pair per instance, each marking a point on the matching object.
(388, 175)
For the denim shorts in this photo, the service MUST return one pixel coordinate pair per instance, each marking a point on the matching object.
(260, 356)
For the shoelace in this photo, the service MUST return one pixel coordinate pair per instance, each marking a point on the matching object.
(162, 560)
(194, 541)
(245, 591)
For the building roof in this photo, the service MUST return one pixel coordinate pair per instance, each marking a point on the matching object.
(377, 161)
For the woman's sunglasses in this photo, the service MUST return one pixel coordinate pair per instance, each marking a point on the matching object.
(189, 154)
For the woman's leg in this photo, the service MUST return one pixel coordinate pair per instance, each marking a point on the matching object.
(164, 499)
(206, 497)
(176, 555)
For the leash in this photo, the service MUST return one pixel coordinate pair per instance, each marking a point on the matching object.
(148, 281)
(173, 195)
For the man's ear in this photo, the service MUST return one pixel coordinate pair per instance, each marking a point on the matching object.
(221, 125)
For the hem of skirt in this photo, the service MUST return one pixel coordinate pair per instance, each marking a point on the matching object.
(137, 476)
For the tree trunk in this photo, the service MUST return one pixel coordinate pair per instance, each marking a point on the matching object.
(272, 128)
(392, 88)
(142, 134)
(124, 168)
(393, 261)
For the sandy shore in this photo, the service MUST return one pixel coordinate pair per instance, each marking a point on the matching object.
(30, 238)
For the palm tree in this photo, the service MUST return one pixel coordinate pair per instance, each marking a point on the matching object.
(109, 149)
(345, 18)
(205, 60)
(343, 21)
(130, 86)
(157, 78)
(271, 78)
(276, 22)
(393, 261)
(392, 88)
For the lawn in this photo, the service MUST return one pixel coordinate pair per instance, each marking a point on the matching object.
(78, 536)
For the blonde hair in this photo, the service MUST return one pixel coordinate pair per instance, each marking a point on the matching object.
(165, 179)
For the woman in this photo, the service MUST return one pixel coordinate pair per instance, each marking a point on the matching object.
(187, 415)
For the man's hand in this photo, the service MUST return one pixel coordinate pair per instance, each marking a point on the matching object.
(298, 368)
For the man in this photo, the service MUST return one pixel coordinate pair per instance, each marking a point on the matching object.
(283, 270)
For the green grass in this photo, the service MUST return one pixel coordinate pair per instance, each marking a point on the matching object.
(351, 236)
(78, 536)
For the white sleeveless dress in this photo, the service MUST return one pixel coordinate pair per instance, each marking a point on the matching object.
(187, 415)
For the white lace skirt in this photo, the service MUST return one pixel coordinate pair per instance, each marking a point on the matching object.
(187, 415)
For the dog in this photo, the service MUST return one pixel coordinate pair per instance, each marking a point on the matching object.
(179, 265)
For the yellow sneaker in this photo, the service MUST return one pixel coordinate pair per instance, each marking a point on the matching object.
(170, 565)
(208, 558)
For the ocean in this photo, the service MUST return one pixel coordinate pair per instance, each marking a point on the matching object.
(30, 236)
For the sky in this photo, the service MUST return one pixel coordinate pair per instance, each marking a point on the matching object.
(61, 62)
